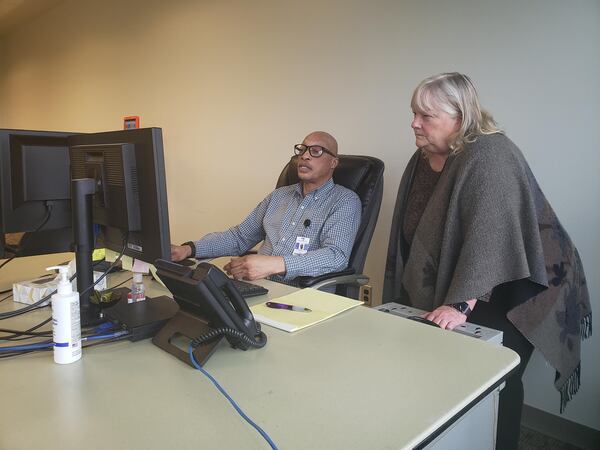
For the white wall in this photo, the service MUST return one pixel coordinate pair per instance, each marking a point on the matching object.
(235, 83)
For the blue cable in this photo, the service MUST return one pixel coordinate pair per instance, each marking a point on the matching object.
(19, 348)
(233, 403)
(49, 344)
(104, 336)
(103, 327)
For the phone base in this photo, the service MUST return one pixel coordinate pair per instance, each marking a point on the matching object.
(185, 327)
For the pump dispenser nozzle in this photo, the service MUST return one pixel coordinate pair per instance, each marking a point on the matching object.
(64, 285)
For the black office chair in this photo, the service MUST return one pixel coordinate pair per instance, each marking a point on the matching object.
(363, 175)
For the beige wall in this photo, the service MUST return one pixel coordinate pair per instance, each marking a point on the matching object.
(235, 83)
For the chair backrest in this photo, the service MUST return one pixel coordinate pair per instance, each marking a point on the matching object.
(363, 175)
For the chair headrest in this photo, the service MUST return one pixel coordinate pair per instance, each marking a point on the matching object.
(351, 172)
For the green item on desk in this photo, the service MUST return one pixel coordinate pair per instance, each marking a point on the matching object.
(105, 298)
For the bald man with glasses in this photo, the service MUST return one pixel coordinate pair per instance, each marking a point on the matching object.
(307, 229)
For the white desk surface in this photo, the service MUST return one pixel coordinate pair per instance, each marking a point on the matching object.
(362, 380)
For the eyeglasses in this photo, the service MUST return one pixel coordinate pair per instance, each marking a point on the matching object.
(314, 150)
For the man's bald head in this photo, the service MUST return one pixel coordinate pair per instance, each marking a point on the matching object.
(314, 171)
(323, 139)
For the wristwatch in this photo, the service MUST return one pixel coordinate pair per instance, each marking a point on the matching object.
(462, 307)
(191, 245)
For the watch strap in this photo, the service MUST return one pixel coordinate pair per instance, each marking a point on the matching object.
(462, 307)
(191, 245)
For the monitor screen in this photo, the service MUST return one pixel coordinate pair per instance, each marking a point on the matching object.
(130, 199)
(35, 191)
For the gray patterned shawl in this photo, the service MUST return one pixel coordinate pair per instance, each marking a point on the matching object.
(488, 223)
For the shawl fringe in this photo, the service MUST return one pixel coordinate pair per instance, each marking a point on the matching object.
(586, 327)
(570, 388)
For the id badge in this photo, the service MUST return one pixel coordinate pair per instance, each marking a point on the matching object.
(301, 245)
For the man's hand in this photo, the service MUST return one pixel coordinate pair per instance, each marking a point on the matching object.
(254, 267)
(180, 252)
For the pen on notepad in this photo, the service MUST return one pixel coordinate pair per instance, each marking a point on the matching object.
(286, 306)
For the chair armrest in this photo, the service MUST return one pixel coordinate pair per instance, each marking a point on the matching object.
(348, 280)
(310, 281)
(344, 277)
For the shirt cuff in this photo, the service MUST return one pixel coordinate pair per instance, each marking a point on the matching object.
(293, 267)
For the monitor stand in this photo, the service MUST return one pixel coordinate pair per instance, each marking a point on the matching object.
(185, 327)
(82, 190)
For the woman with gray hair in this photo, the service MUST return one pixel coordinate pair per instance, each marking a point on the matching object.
(474, 236)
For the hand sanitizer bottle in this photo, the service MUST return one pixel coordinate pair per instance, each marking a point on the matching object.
(66, 323)
(138, 293)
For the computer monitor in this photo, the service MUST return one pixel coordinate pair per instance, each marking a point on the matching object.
(119, 184)
(35, 189)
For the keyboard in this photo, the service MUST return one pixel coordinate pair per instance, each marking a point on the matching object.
(248, 290)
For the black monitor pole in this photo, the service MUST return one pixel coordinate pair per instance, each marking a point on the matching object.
(82, 190)
(2, 240)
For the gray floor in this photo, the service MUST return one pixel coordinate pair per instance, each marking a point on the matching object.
(533, 440)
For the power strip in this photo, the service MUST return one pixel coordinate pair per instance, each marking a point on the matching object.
(469, 329)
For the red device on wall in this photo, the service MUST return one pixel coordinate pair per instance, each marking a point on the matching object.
(130, 122)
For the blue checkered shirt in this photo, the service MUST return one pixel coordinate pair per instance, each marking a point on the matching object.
(329, 216)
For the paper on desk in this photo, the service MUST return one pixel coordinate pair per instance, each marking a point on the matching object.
(140, 266)
(110, 255)
(323, 305)
(155, 275)
(99, 254)
(127, 263)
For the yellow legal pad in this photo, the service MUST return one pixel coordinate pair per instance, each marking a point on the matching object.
(323, 305)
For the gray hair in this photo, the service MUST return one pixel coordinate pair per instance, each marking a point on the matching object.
(455, 94)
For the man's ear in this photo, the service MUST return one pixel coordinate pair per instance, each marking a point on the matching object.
(334, 163)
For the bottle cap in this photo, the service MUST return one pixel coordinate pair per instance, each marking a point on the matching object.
(137, 277)
(64, 285)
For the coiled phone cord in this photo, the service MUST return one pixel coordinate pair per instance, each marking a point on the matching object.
(216, 333)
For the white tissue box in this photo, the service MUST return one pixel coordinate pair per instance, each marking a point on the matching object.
(34, 290)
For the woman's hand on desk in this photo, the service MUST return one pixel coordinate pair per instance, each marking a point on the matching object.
(448, 317)
(254, 267)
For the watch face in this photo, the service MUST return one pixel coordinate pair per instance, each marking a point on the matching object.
(463, 307)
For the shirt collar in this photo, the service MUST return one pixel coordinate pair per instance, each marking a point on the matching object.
(324, 189)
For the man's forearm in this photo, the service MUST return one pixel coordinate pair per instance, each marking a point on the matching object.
(316, 262)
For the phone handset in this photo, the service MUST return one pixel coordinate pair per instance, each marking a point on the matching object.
(210, 308)
(227, 296)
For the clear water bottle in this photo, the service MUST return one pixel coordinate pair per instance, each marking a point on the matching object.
(138, 293)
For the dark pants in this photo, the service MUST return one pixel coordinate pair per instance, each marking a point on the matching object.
(493, 315)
